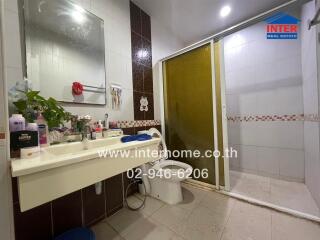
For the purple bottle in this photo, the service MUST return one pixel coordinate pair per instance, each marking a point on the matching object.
(17, 123)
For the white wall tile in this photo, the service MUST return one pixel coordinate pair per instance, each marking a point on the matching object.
(291, 163)
(264, 77)
(312, 156)
(247, 103)
(268, 160)
(12, 46)
(235, 160)
(13, 75)
(248, 157)
(232, 104)
(118, 70)
(310, 72)
(234, 133)
(280, 134)
(289, 100)
(248, 133)
(11, 5)
(266, 102)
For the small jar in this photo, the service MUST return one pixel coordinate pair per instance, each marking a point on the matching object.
(32, 127)
(17, 123)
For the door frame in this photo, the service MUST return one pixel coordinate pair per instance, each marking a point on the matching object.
(214, 110)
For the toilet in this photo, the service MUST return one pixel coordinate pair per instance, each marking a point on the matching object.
(165, 186)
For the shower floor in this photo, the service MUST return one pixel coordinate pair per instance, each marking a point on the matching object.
(293, 195)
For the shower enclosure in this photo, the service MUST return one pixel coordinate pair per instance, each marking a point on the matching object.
(270, 89)
(193, 111)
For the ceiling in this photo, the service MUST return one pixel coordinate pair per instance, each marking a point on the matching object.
(193, 20)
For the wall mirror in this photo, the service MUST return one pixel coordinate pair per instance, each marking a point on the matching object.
(65, 52)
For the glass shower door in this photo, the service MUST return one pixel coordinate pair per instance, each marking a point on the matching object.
(188, 109)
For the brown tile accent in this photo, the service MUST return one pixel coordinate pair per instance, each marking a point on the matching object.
(158, 127)
(138, 115)
(146, 25)
(33, 224)
(135, 18)
(147, 80)
(128, 131)
(137, 77)
(147, 59)
(93, 205)
(2, 136)
(137, 129)
(149, 115)
(67, 212)
(136, 47)
(114, 194)
(15, 194)
(141, 55)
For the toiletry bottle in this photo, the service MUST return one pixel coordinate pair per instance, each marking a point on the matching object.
(17, 123)
(43, 131)
(17, 126)
(33, 127)
(106, 121)
(99, 130)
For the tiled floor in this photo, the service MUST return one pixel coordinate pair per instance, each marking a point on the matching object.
(204, 215)
(291, 195)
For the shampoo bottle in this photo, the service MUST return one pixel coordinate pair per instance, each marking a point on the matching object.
(43, 131)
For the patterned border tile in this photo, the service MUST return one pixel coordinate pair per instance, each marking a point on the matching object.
(257, 118)
(137, 123)
(267, 118)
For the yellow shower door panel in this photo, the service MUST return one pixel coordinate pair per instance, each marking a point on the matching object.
(188, 109)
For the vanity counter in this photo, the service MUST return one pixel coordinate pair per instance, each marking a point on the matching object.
(71, 153)
(66, 168)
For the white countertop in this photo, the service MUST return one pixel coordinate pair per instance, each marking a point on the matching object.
(48, 159)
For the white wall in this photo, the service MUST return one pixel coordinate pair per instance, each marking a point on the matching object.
(164, 43)
(311, 100)
(6, 207)
(264, 78)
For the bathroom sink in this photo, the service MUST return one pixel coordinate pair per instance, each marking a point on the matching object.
(78, 147)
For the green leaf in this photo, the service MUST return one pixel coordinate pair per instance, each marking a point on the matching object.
(21, 105)
(31, 94)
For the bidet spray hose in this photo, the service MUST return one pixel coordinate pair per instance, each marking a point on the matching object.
(139, 181)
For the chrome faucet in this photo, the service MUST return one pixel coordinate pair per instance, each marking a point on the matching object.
(85, 140)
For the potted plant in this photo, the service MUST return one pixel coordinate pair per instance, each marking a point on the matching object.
(33, 103)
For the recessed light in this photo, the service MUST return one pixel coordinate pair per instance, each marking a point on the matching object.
(225, 11)
(78, 14)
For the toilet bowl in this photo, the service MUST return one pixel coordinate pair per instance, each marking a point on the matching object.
(162, 178)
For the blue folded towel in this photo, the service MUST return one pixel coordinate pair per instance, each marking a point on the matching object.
(139, 137)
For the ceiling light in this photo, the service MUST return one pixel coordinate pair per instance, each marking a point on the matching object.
(225, 11)
(78, 14)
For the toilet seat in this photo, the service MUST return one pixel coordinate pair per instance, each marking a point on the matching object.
(164, 182)
(179, 171)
